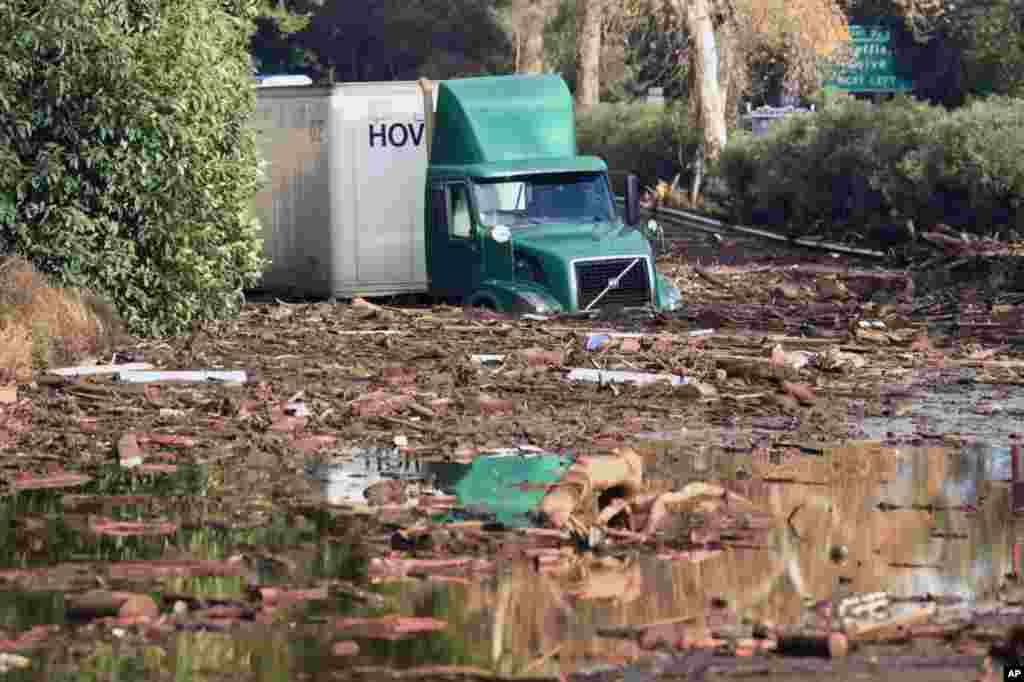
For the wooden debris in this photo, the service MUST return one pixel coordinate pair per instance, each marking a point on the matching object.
(826, 645)
(592, 474)
(896, 627)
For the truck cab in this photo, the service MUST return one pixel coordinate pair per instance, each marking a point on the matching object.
(515, 220)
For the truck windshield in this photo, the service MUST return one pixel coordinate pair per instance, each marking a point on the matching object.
(541, 199)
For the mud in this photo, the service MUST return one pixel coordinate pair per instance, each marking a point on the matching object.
(303, 524)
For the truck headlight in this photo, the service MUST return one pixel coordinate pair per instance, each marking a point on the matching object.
(653, 230)
(537, 303)
(671, 296)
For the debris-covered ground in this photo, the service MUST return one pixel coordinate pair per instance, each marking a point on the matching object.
(812, 468)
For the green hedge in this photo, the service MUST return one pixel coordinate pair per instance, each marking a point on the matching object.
(972, 164)
(644, 139)
(852, 164)
(127, 165)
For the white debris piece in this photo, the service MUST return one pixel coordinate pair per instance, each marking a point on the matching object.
(488, 359)
(93, 370)
(200, 376)
(601, 376)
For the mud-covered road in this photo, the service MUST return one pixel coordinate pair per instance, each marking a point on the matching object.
(838, 441)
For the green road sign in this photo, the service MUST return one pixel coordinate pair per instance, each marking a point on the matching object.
(873, 68)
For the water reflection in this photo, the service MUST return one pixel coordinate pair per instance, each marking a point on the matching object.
(975, 410)
(904, 515)
(547, 624)
(50, 526)
(344, 480)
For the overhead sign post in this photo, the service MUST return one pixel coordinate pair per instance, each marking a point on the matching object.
(873, 68)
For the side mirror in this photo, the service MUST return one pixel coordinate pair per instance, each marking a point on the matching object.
(632, 200)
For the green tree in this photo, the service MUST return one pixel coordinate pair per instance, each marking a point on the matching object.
(360, 40)
(955, 50)
(994, 50)
(636, 53)
(127, 164)
(274, 46)
(560, 41)
(726, 36)
(655, 55)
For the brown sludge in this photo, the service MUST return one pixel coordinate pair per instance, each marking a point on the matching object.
(792, 353)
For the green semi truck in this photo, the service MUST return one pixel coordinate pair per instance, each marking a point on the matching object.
(467, 188)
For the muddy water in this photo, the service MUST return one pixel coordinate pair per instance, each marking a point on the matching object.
(955, 403)
(520, 621)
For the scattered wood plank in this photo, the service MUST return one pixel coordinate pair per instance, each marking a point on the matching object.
(897, 627)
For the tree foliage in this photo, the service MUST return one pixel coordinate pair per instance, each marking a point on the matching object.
(994, 51)
(954, 50)
(800, 34)
(655, 55)
(274, 47)
(126, 162)
(649, 140)
(365, 40)
(616, 78)
(853, 164)
(729, 39)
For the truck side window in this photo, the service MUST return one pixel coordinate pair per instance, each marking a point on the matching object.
(460, 224)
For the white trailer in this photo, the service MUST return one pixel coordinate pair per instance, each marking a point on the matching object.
(342, 204)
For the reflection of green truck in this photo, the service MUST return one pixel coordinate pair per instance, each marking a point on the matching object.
(505, 214)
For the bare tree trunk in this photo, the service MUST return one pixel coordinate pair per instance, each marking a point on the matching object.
(532, 58)
(707, 91)
(705, 56)
(698, 176)
(728, 81)
(530, 17)
(589, 14)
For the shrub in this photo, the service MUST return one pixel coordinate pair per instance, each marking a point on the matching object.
(850, 163)
(649, 140)
(968, 172)
(772, 176)
(126, 161)
(738, 168)
(41, 325)
(855, 159)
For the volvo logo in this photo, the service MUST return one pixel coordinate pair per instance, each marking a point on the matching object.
(613, 283)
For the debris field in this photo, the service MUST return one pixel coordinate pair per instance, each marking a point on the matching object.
(668, 434)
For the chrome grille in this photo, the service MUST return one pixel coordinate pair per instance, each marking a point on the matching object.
(593, 276)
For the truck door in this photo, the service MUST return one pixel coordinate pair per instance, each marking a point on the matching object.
(454, 254)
